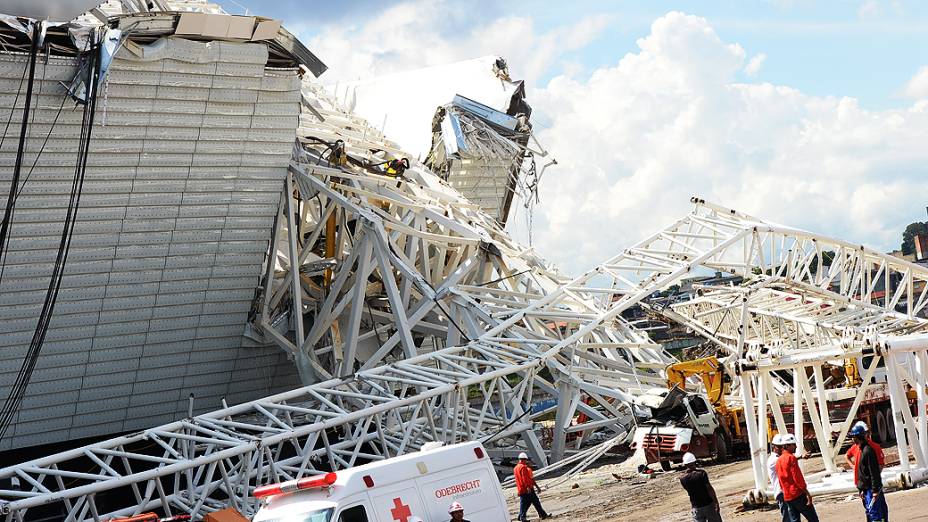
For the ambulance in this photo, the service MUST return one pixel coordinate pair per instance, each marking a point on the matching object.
(421, 485)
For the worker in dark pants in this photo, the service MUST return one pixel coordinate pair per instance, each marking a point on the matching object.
(869, 481)
(527, 489)
(852, 457)
(776, 447)
(793, 483)
(703, 499)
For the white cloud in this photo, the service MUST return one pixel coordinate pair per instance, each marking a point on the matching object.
(869, 9)
(421, 33)
(754, 64)
(917, 86)
(637, 139)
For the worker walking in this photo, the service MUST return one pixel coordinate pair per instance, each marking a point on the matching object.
(852, 457)
(868, 479)
(776, 447)
(793, 484)
(704, 501)
(527, 489)
(456, 510)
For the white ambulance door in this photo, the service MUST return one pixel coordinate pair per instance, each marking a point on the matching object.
(474, 486)
(354, 509)
(397, 503)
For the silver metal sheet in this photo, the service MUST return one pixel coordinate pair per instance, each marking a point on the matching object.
(176, 215)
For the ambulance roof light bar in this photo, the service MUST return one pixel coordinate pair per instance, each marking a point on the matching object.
(290, 486)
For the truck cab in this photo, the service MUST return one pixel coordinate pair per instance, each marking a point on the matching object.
(680, 422)
(421, 484)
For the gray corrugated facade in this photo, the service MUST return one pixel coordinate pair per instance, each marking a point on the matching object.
(190, 148)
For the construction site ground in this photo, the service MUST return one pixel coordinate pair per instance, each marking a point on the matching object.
(616, 492)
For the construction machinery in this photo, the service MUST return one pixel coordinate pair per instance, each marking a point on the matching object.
(686, 421)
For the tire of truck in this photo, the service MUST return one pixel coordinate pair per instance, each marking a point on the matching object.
(880, 426)
(665, 465)
(890, 424)
(721, 448)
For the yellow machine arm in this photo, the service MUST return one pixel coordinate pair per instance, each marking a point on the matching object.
(712, 374)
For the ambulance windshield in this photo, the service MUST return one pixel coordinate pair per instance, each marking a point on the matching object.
(321, 515)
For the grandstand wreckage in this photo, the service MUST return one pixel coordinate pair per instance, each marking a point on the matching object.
(412, 316)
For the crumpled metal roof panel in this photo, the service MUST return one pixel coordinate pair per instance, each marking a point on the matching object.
(189, 152)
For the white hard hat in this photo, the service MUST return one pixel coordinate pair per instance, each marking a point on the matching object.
(455, 506)
(777, 440)
(416, 519)
(688, 458)
(862, 424)
(523, 456)
(788, 438)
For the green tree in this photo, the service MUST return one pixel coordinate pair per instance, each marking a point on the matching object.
(908, 237)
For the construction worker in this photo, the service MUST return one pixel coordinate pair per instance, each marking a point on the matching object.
(456, 510)
(853, 453)
(776, 447)
(527, 489)
(703, 500)
(868, 480)
(792, 483)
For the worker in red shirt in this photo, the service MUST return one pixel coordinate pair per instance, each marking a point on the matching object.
(795, 493)
(527, 489)
(852, 457)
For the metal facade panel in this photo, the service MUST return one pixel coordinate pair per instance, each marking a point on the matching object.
(191, 148)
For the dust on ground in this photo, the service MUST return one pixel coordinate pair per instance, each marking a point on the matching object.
(613, 492)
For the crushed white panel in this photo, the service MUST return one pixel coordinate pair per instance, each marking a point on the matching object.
(189, 153)
(484, 154)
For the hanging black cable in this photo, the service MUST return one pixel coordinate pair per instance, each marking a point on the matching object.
(9, 120)
(21, 149)
(64, 99)
(17, 392)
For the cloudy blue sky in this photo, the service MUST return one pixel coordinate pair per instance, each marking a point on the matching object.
(813, 114)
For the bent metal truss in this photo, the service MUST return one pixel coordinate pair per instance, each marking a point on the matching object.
(413, 318)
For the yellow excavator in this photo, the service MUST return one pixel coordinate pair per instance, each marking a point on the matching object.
(685, 421)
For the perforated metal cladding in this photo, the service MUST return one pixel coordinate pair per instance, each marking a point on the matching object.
(189, 152)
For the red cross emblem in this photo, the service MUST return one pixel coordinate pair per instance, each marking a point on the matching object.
(400, 511)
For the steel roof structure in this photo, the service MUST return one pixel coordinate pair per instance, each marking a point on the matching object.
(413, 317)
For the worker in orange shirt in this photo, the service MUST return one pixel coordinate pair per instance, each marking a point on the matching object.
(527, 489)
(792, 483)
(852, 457)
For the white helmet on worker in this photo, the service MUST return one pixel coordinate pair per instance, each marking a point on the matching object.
(689, 458)
(862, 424)
(788, 438)
(523, 456)
(455, 506)
(777, 440)
(416, 519)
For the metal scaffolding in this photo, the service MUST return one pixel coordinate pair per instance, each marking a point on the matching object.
(413, 317)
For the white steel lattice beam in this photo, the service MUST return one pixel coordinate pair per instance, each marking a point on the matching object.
(413, 317)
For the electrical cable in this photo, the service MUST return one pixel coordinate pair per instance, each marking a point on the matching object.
(13, 107)
(451, 319)
(21, 149)
(64, 99)
(17, 391)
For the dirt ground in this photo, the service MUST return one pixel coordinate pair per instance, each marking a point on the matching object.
(615, 493)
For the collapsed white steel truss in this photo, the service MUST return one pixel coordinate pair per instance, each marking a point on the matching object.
(414, 317)
(519, 336)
